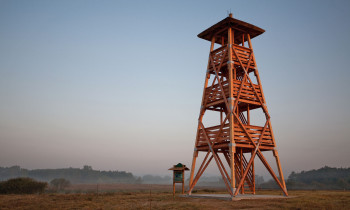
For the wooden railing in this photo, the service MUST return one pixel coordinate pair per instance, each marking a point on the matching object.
(243, 54)
(212, 133)
(213, 93)
(220, 55)
(255, 132)
(240, 136)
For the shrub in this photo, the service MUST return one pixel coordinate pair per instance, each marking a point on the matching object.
(60, 184)
(22, 186)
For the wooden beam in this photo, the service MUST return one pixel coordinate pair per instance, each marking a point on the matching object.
(257, 95)
(275, 153)
(243, 39)
(195, 155)
(201, 113)
(199, 174)
(230, 109)
(264, 161)
(215, 158)
(248, 115)
(241, 162)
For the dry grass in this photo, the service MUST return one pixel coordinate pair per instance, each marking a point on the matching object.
(165, 200)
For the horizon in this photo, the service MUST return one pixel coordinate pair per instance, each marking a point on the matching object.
(187, 175)
(118, 85)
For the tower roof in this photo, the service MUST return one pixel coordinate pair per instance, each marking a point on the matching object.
(239, 26)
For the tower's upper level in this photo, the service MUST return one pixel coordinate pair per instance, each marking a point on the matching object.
(240, 29)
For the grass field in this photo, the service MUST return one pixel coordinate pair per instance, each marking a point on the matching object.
(133, 197)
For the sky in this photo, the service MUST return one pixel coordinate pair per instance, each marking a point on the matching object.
(117, 85)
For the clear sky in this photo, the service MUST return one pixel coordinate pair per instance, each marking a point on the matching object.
(118, 84)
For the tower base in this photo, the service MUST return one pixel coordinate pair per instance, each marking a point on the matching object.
(236, 198)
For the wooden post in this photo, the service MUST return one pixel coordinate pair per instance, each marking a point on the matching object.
(275, 153)
(201, 113)
(173, 183)
(248, 115)
(183, 182)
(242, 169)
(243, 40)
(253, 173)
(221, 119)
(195, 155)
(232, 145)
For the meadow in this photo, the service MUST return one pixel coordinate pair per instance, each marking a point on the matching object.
(125, 196)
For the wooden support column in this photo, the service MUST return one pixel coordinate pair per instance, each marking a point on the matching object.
(256, 73)
(195, 155)
(248, 115)
(183, 183)
(243, 40)
(242, 169)
(201, 113)
(234, 73)
(221, 113)
(201, 170)
(173, 183)
(253, 174)
(275, 153)
(232, 145)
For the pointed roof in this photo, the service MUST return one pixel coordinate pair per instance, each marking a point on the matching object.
(239, 26)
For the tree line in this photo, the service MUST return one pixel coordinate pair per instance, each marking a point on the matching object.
(325, 178)
(74, 175)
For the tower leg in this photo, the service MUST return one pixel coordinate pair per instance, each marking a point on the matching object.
(275, 153)
(253, 174)
(195, 155)
(232, 149)
(242, 168)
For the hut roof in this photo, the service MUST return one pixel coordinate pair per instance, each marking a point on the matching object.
(179, 167)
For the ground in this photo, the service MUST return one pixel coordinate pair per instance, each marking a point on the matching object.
(160, 197)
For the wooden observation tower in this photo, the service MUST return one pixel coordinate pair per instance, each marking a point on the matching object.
(232, 89)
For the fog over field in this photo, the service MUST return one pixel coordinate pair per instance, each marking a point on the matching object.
(117, 85)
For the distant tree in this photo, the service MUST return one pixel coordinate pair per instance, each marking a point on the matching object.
(75, 175)
(271, 184)
(22, 186)
(154, 179)
(259, 180)
(87, 168)
(221, 182)
(138, 180)
(327, 178)
(60, 184)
